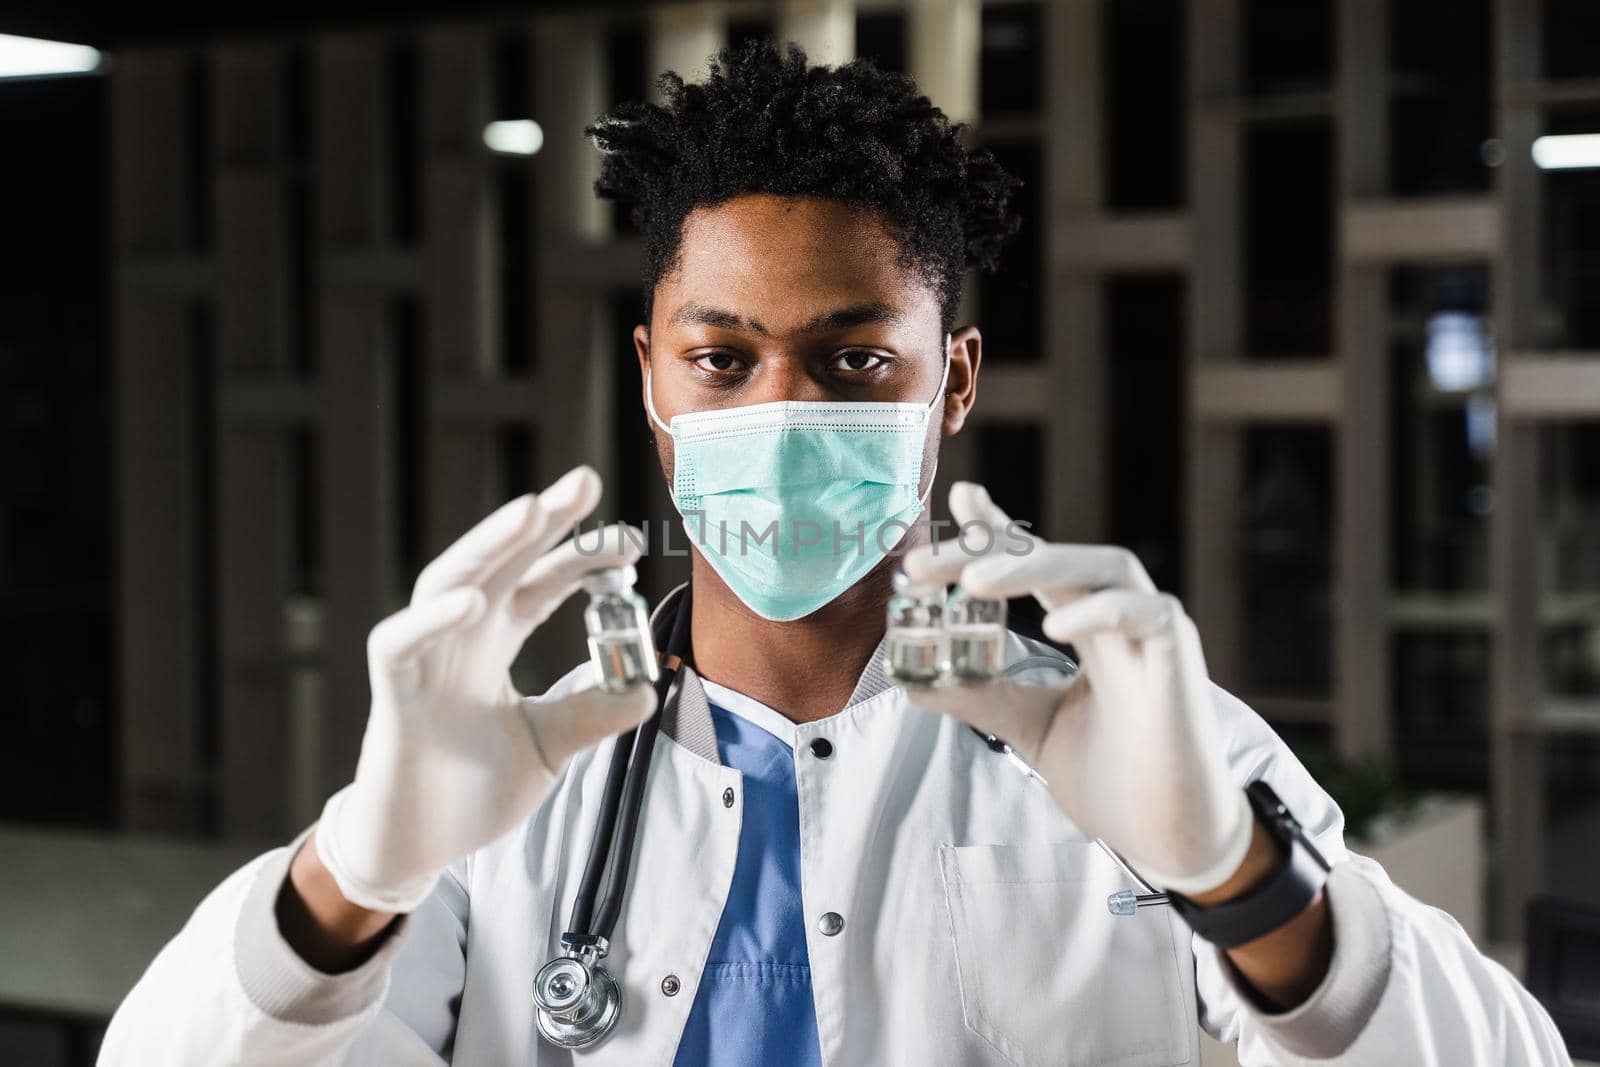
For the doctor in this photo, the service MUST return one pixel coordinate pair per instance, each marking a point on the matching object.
(826, 872)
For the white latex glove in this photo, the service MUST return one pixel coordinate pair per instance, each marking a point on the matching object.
(453, 756)
(1129, 748)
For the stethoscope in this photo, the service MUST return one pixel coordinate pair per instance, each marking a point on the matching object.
(577, 1001)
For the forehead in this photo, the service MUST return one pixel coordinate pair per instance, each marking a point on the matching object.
(790, 256)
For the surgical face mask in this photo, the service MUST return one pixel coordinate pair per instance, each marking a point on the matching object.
(792, 502)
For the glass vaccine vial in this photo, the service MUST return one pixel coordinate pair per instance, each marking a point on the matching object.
(977, 629)
(918, 651)
(618, 621)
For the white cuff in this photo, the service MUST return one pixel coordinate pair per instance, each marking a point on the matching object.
(1328, 1021)
(284, 986)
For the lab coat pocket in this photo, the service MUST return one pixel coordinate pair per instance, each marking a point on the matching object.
(1048, 975)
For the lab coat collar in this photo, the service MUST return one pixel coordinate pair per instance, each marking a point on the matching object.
(687, 720)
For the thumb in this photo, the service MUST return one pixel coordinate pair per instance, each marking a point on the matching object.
(1017, 714)
(569, 724)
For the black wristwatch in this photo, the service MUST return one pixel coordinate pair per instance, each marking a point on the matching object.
(1277, 900)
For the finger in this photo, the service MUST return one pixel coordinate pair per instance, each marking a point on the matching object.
(1063, 570)
(1017, 714)
(561, 508)
(982, 528)
(402, 636)
(971, 502)
(472, 557)
(1135, 615)
(557, 574)
(569, 724)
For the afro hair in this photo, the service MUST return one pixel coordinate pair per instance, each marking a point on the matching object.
(762, 122)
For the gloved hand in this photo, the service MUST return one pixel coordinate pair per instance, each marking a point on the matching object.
(453, 756)
(1130, 747)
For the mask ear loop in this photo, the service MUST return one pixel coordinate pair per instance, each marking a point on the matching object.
(944, 378)
(650, 401)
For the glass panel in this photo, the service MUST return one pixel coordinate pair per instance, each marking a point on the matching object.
(513, 239)
(1010, 71)
(508, 75)
(1571, 28)
(302, 328)
(638, 466)
(1146, 105)
(627, 80)
(1570, 522)
(198, 159)
(1144, 343)
(1008, 300)
(304, 497)
(1007, 454)
(1441, 97)
(1286, 548)
(1572, 817)
(514, 445)
(204, 542)
(1442, 432)
(1441, 698)
(881, 37)
(1569, 315)
(1288, 251)
(1288, 46)
(407, 429)
(60, 413)
(296, 96)
(404, 141)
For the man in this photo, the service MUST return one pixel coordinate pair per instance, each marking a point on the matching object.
(827, 870)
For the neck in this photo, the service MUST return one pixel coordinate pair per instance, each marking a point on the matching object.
(805, 669)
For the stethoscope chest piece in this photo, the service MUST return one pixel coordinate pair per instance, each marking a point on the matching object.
(577, 1001)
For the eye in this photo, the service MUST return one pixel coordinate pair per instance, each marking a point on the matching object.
(717, 362)
(857, 359)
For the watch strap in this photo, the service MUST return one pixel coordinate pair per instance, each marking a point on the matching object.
(1285, 894)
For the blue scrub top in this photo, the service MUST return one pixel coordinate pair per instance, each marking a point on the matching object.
(754, 1002)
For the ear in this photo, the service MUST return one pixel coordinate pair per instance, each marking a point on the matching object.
(641, 346)
(961, 389)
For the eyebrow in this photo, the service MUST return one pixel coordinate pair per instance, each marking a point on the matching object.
(875, 311)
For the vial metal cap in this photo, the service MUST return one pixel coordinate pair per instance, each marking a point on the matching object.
(611, 580)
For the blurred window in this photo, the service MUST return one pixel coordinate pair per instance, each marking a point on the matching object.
(1145, 105)
(1011, 69)
(1441, 96)
(1288, 46)
(1288, 238)
(881, 37)
(1287, 523)
(1144, 347)
(1009, 301)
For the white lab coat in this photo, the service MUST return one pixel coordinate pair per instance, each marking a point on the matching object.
(975, 932)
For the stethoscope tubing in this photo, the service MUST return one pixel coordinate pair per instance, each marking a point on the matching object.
(625, 781)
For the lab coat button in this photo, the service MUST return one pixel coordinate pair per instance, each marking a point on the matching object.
(822, 748)
(831, 923)
(727, 797)
(670, 985)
